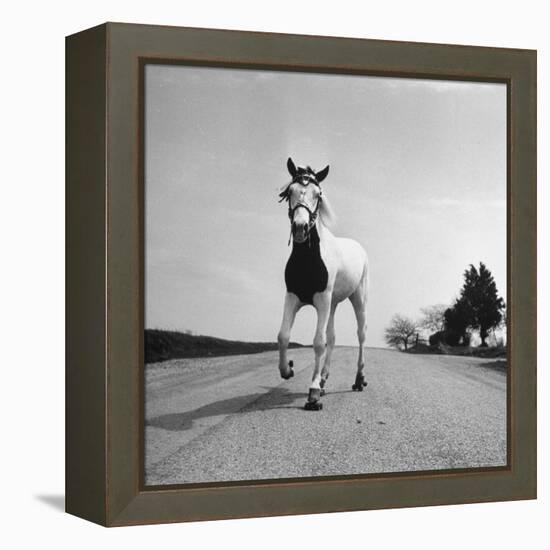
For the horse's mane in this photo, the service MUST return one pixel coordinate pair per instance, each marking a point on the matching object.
(326, 213)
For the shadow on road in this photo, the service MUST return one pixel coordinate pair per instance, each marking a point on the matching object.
(499, 364)
(272, 398)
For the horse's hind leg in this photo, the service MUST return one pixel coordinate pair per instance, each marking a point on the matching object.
(331, 340)
(292, 305)
(359, 301)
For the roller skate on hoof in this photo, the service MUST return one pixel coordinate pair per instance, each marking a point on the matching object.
(313, 403)
(290, 372)
(360, 383)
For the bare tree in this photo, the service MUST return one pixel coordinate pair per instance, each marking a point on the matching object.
(401, 332)
(433, 317)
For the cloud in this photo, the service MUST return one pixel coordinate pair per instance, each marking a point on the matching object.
(236, 276)
(440, 86)
(496, 203)
(444, 201)
(437, 202)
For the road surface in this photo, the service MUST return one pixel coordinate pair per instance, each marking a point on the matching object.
(234, 418)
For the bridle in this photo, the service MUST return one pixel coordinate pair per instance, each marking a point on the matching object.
(312, 213)
(305, 180)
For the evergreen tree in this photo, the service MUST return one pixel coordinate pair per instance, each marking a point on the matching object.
(480, 304)
(457, 321)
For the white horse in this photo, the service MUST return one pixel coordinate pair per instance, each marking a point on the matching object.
(322, 271)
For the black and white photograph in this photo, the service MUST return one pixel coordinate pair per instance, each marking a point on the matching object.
(325, 275)
(273, 275)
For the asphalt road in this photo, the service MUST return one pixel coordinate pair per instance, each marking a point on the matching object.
(234, 418)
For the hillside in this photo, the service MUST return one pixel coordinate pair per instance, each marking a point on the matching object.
(161, 345)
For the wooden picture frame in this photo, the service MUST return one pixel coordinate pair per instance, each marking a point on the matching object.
(104, 186)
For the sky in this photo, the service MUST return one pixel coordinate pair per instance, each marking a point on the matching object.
(417, 176)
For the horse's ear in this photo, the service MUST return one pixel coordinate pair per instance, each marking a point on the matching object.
(291, 167)
(322, 174)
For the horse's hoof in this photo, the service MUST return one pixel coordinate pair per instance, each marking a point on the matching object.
(289, 374)
(313, 403)
(314, 395)
(360, 383)
(323, 392)
(322, 384)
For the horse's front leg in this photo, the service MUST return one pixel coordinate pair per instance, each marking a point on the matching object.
(321, 302)
(291, 307)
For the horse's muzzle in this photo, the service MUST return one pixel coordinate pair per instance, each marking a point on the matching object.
(299, 232)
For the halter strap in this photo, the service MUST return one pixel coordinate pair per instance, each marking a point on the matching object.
(284, 195)
(312, 213)
(305, 179)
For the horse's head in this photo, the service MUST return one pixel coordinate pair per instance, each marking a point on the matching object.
(304, 197)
